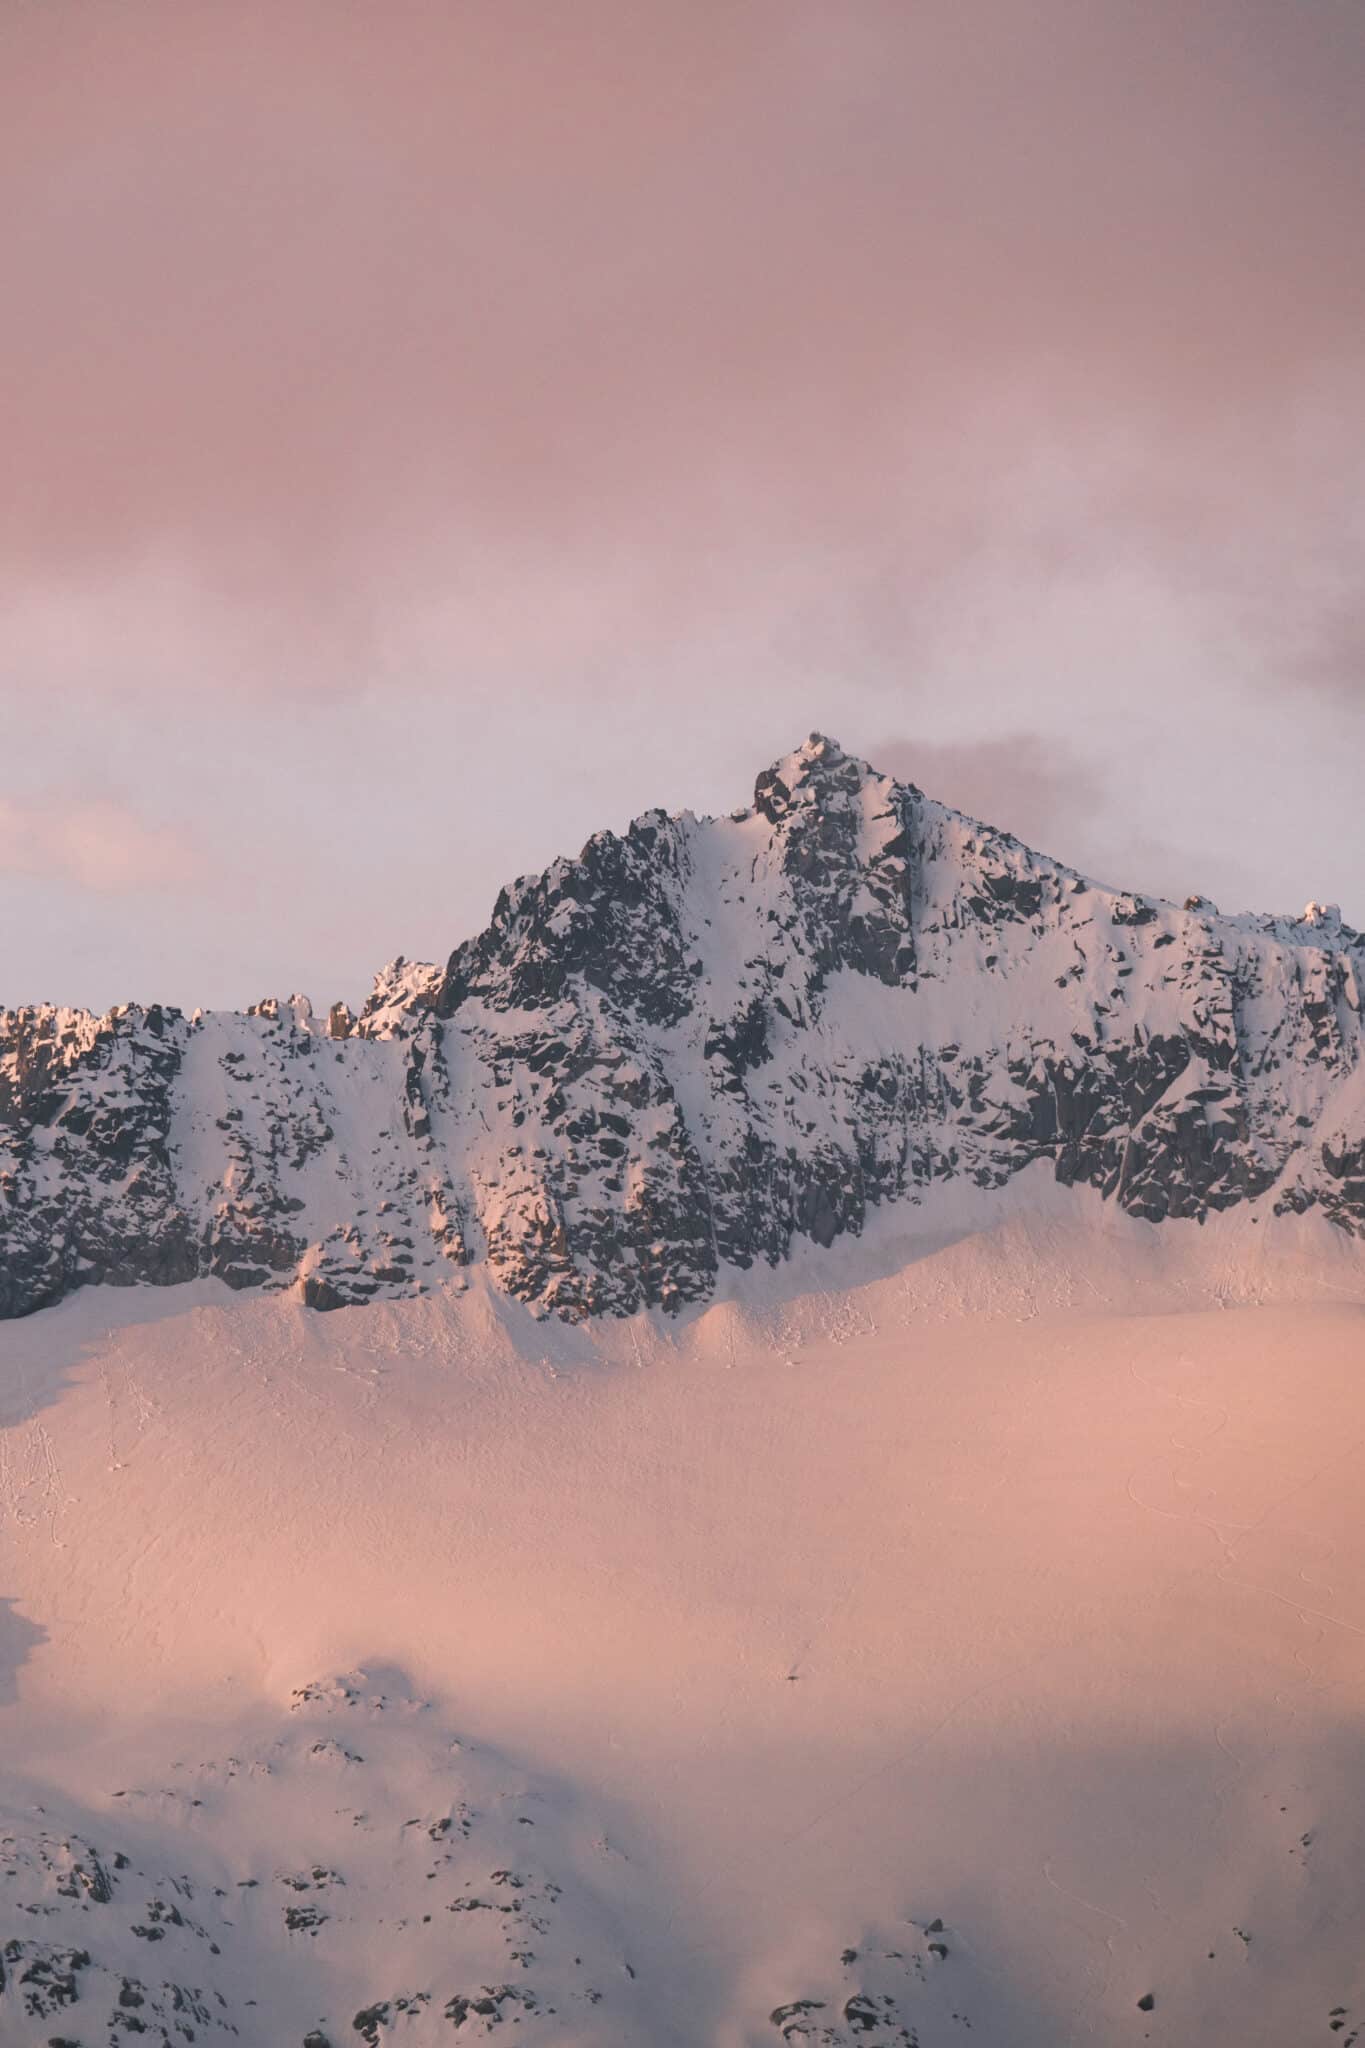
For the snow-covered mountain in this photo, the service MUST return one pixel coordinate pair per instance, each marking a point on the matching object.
(683, 1051)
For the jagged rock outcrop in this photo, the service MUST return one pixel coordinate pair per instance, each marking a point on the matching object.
(694, 1045)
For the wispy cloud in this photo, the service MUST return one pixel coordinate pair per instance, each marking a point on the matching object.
(1060, 802)
(1022, 782)
(94, 842)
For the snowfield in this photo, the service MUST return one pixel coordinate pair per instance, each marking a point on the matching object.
(938, 1640)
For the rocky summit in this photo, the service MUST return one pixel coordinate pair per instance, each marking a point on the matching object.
(694, 1046)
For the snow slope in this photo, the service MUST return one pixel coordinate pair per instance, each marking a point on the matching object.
(967, 1654)
(695, 1047)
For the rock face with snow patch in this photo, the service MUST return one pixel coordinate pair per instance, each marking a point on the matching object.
(691, 1047)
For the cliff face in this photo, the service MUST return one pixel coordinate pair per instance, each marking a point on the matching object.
(691, 1046)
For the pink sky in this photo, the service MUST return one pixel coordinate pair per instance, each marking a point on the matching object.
(432, 431)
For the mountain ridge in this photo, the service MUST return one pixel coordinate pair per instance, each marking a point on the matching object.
(696, 1043)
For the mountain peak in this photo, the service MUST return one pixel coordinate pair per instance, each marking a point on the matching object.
(688, 1050)
(816, 771)
(819, 747)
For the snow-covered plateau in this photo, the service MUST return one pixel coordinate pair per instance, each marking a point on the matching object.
(827, 1512)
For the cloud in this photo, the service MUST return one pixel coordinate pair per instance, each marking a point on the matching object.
(358, 318)
(94, 843)
(1021, 782)
(1059, 802)
(432, 432)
